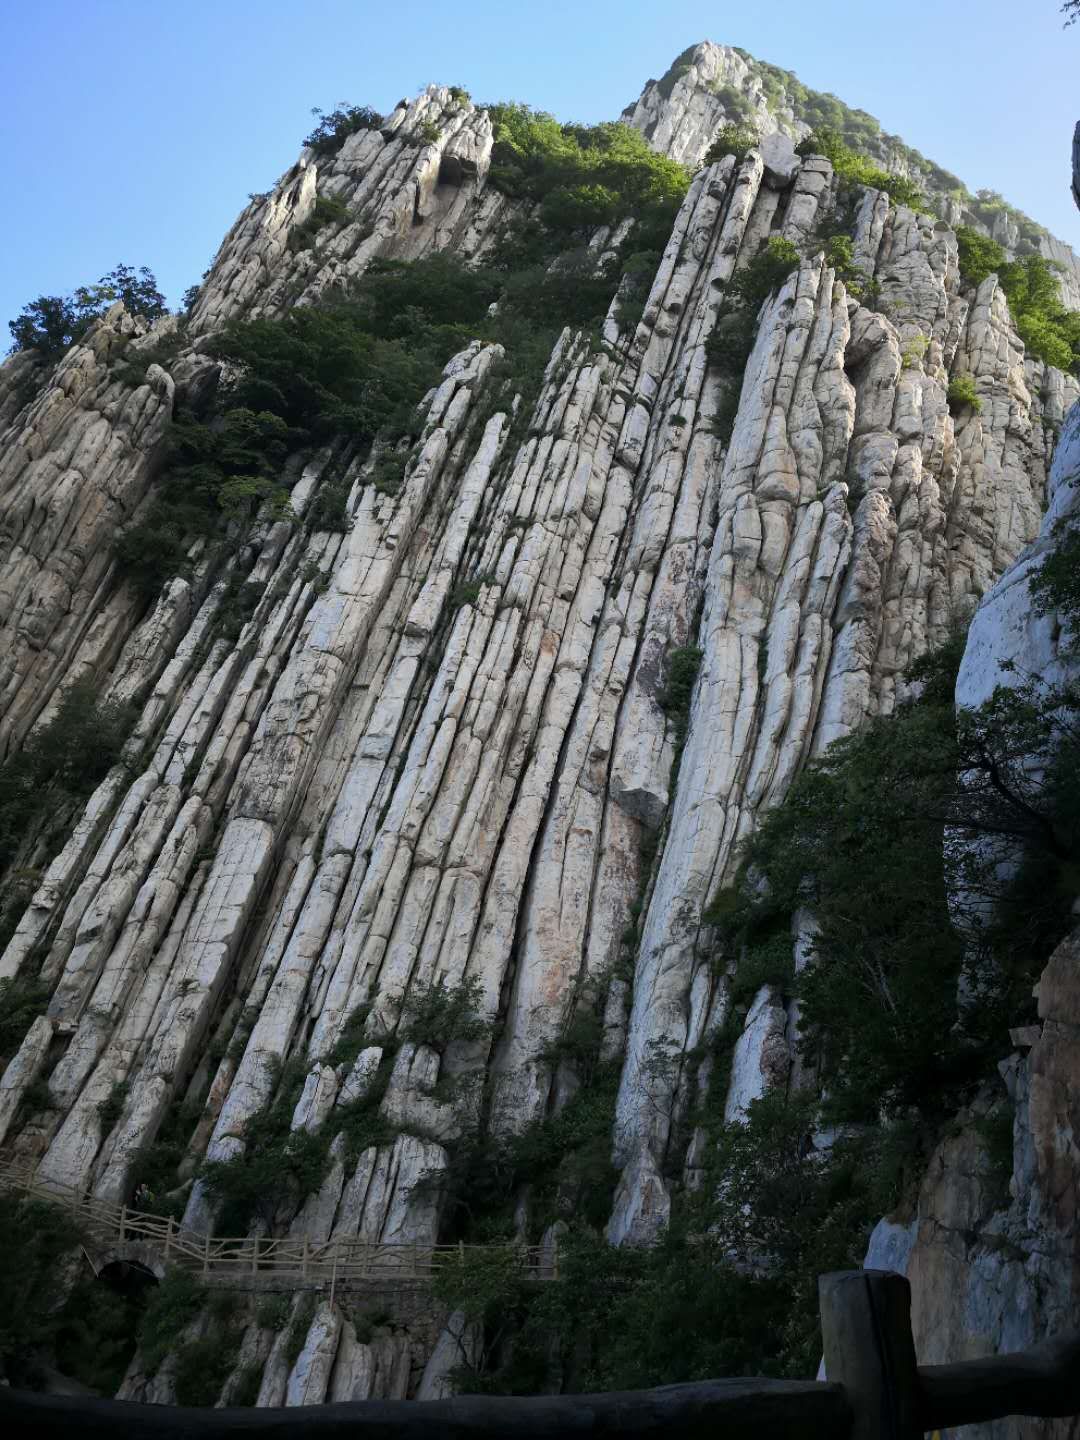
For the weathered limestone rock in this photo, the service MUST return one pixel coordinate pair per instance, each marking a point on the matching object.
(441, 750)
(458, 1345)
(310, 1375)
(23, 1069)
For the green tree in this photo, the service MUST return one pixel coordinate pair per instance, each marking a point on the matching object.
(51, 323)
(335, 126)
(856, 169)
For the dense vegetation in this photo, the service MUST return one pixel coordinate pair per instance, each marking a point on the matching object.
(281, 1165)
(53, 1312)
(358, 367)
(731, 339)
(43, 785)
(1048, 330)
(906, 924)
(51, 323)
(852, 168)
(861, 132)
(334, 127)
(584, 176)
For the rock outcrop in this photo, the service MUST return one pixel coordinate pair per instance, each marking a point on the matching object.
(437, 751)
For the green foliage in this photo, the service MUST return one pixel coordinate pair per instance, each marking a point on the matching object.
(766, 959)
(978, 255)
(860, 840)
(840, 257)
(22, 1000)
(459, 94)
(1049, 331)
(349, 370)
(51, 323)
(638, 273)
(237, 605)
(203, 1366)
(34, 1238)
(1055, 586)
(335, 127)
(95, 1337)
(58, 767)
(298, 1328)
(328, 210)
(465, 593)
(329, 508)
(111, 1108)
(171, 1308)
(737, 140)
(769, 268)
(273, 1312)
(856, 169)
(278, 1166)
(736, 104)
(248, 1383)
(583, 176)
(681, 667)
(679, 67)
(731, 340)
(913, 351)
(352, 1040)
(962, 394)
(162, 352)
(439, 1015)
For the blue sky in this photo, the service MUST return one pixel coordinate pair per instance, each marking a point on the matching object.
(133, 131)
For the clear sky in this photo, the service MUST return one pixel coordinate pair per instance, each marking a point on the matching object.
(133, 131)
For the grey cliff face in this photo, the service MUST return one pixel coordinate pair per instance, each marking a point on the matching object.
(373, 787)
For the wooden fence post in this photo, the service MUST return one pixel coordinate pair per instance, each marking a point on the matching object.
(304, 1260)
(255, 1255)
(206, 1255)
(123, 1221)
(866, 1328)
(168, 1238)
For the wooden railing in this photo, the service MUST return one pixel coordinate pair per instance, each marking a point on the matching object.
(876, 1392)
(299, 1257)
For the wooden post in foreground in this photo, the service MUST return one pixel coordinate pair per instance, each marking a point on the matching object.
(866, 1328)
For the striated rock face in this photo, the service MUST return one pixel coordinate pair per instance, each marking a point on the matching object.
(378, 785)
(710, 85)
(993, 1254)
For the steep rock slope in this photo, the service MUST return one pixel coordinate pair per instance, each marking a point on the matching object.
(711, 85)
(437, 753)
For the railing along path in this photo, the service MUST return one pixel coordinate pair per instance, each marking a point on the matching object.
(299, 1257)
(875, 1389)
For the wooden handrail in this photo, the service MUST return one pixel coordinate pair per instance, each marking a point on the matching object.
(877, 1392)
(342, 1258)
(736, 1409)
(866, 1329)
(1044, 1382)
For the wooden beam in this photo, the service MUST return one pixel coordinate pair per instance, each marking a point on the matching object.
(866, 1329)
(735, 1409)
(1044, 1381)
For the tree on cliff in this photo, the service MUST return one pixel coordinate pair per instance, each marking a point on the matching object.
(51, 323)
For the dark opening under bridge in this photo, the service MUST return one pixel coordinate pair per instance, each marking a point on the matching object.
(876, 1389)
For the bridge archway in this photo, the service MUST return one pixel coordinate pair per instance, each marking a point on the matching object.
(124, 1257)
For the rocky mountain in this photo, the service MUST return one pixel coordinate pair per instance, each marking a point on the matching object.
(408, 790)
